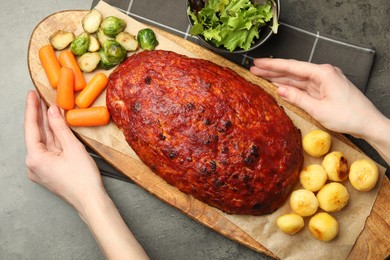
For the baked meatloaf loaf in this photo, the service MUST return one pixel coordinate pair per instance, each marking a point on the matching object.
(206, 130)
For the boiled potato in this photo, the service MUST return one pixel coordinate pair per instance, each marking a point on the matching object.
(336, 166)
(290, 223)
(313, 177)
(316, 143)
(363, 174)
(333, 197)
(303, 202)
(323, 226)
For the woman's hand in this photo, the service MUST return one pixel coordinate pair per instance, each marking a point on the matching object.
(321, 90)
(56, 159)
(328, 96)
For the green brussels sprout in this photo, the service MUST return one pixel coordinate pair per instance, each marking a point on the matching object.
(147, 39)
(114, 52)
(112, 25)
(104, 63)
(80, 44)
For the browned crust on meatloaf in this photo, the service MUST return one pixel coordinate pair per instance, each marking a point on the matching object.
(206, 130)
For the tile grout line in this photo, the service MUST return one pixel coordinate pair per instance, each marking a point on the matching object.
(153, 22)
(314, 46)
(328, 39)
(129, 7)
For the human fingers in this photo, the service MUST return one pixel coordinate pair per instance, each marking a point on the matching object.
(61, 131)
(298, 98)
(286, 66)
(51, 141)
(273, 75)
(33, 133)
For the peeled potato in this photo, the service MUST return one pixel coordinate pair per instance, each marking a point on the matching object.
(303, 202)
(323, 226)
(313, 177)
(290, 223)
(363, 174)
(336, 166)
(333, 197)
(316, 143)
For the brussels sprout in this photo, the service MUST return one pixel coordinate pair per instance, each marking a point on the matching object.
(114, 52)
(89, 61)
(61, 39)
(80, 44)
(94, 44)
(127, 40)
(102, 37)
(91, 21)
(104, 62)
(147, 39)
(112, 25)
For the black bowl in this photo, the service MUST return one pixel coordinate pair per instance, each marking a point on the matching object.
(264, 35)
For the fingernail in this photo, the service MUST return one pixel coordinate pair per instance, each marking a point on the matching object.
(54, 111)
(282, 91)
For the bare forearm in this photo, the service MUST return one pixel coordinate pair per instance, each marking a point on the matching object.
(378, 136)
(111, 232)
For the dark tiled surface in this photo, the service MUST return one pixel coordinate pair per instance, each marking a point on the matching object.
(290, 42)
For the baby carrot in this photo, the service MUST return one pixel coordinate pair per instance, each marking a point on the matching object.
(93, 89)
(65, 92)
(67, 59)
(92, 116)
(50, 64)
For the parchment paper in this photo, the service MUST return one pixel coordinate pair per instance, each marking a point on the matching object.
(262, 228)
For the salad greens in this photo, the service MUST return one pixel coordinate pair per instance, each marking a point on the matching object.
(232, 23)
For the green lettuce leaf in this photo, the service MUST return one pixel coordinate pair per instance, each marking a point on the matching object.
(231, 23)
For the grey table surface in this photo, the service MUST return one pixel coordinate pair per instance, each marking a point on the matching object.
(34, 224)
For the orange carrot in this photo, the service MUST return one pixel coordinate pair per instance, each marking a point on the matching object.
(92, 116)
(93, 89)
(50, 64)
(67, 59)
(65, 91)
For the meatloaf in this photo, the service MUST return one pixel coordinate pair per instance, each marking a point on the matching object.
(206, 130)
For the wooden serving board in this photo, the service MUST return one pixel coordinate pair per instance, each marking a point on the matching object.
(372, 243)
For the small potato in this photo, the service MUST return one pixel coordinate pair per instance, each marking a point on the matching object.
(333, 197)
(336, 166)
(363, 174)
(303, 202)
(316, 143)
(323, 226)
(313, 177)
(290, 223)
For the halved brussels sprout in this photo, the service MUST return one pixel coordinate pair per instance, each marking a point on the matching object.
(80, 44)
(89, 61)
(112, 25)
(61, 39)
(147, 39)
(127, 40)
(91, 21)
(102, 37)
(94, 44)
